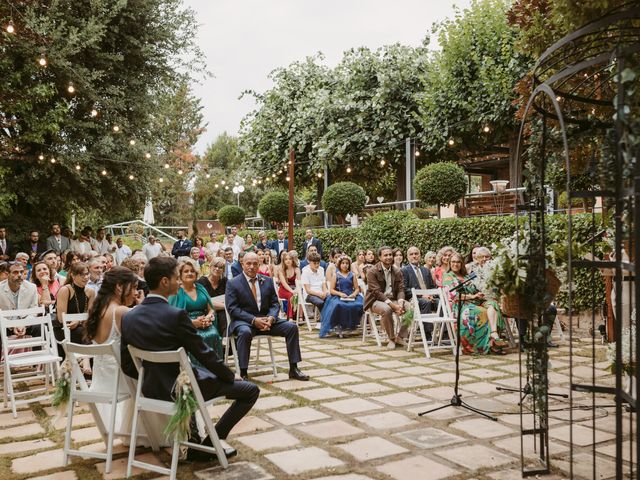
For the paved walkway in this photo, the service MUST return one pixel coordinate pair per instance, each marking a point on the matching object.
(356, 420)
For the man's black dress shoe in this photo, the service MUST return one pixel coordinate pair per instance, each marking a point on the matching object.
(296, 374)
(194, 455)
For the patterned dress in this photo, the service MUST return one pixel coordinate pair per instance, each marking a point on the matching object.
(475, 330)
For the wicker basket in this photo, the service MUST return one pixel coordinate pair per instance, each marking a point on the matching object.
(514, 305)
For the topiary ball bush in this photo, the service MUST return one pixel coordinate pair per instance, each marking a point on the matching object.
(441, 183)
(311, 221)
(344, 198)
(274, 207)
(231, 215)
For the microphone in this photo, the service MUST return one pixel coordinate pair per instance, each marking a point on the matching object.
(466, 280)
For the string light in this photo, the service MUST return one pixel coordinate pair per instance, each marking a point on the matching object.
(288, 178)
(161, 179)
(53, 160)
(180, 172)
(94, 113)
(40, 157)
(259, 182)
(319, 175)
(237, 184)
(452, 142)
(417, 152)
(208, 175)
(43, 61)
(273, 175)
(78, 167)
(147, 155)
(348, 169)
(222, 182)
(558, 98)
(486, 129)
(166, 165)
(131, 177)
(71, 89)
(11, 28)
(226, 187)
(382, 162)
(116, 128)
(216, 186)
(104, 172)
(132, 142)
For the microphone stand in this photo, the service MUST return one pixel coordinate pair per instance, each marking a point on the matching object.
(456, 400)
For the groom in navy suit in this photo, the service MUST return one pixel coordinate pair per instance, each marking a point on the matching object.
(252, 304)
(155, 325)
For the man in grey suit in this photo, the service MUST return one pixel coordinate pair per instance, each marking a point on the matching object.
(16, 294)
(56, 241)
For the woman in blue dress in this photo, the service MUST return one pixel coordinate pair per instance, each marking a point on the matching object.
(344, 308)
(193, 298)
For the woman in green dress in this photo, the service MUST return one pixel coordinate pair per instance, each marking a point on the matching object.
(480, 318)
(194, 298)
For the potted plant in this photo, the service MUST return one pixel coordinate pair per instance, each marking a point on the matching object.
(628, 347)
(344, 198)
(441, 183)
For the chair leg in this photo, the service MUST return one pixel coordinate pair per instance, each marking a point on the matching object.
(412, 332)
(134, 437)
(234, 352)
(365, 320)
(12, 397)
(558, 328)
(67, 433)
(425, 342)
(174, 460)
(273, 358)
(259, 342)
(374, 329)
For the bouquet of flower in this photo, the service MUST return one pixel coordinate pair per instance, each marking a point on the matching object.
(628, 346)
(508, 272)
(62, 390)
(186, 406)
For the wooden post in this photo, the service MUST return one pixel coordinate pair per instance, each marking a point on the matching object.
(292, 159)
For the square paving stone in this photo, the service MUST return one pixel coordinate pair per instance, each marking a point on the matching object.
(366, 357)
(512, 445)
(441, 414)
(449, 378)
(418, 370)
(293, 416)
(583, 467)
(22, 431)
(236, 471)
(397, 353)
(68, 475)
(269, 403)
(336, 360)
(370, 448)
(7, 420)
(413, 468)
(355, 368)
(119, 466)
(379, 374)
(610, 450)
(408, 382)
(400, 399)
(38, 462)
(250, 424)
(332, 429)
(480, 388)
(295, 462)
(429, 437)
(483, 373)
(482, 428)
(439, 393)
(85, 434)
(475, 457)
(348, 476)
(386, 420)
(341, 379)
(390, 364)
(352, 405)
(28, 445)
(319, 372)
(367, 388)
(100, 447)
(310, 354)
(290, 385)
(321, 393)
(269, 440)
(582, 436)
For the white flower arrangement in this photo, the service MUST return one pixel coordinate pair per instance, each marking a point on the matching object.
(627, 346)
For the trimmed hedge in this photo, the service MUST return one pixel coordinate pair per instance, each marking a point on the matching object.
(274, 207)
(231, 215)
(404, 229)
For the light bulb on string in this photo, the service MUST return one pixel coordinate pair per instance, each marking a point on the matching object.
(288, 178)
(383, 162)
(216, 186)
(180, 172)
(348, 169)
(319, 174)
(417, 152)
(147, 155)
(40, 157)
(94, 113)
(71, 89)
(116, 128)
(451, 142)
(131, 177)
(208, 175)
(226, 187)
(166, 165)
(78, 167)
(132, 142)
(10, 28)
(273, 175)
(53, 160)
(104, 172)
(42, 61)
(161, 179)
(222, 182)
(486, 129)
(259, 182)
(237, 184)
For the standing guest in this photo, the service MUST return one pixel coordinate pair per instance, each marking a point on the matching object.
(314, 282)
(201, 250)
(56, 241)
(416, 276)
(195, 299)
(53, 260)
(74, 297)
(305, 261)
(370, 259)
(344, 308)
(45, 281)
(229, 243)
(472, 261)
(70, 259)
(385, 295)
(152, 248)
(172, 328)
(480, 318)
(16, 294)
(213, 245)
(309, 241)
(234, 240)
(96, 270)
(112, 246)
(398, 257)
(122, 251)
(82, 245)
(101, 244)
(281, 244)
(288, 274)
(182, 247)
(90, 237)
(6, 246)
(253, 307)
(265, 267)
(442, 264)
(248, 243)
(263, 243)
(34, 247)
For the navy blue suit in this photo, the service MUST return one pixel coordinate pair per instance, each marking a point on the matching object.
(155, 325)
(411, 281)
(275, 245)
(242, 309)
(182, 248)
(315, 242)
(236, 268)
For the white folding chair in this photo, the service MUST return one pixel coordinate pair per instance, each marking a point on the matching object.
(68, 318)
(15, 356)
(441, 319)
(282, 313)
(230, 348)
(302, 313)
(163, 407)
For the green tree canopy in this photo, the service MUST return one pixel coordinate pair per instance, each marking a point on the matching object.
(344, 198)
(440, 183)
(274, 207)
(231, 215)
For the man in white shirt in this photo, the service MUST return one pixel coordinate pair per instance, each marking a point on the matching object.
(16, 294)
(229, 241)
(101, 245)
(82, 244)
(122, 251)
(314, 282)
(232, 239)
(213, 245)
(152, 248)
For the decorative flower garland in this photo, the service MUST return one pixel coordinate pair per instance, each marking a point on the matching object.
(62, 390)
(179, 425)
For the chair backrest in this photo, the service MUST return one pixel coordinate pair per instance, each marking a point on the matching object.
(416, 293)
(68, 318)
(27, 317)
(226, 312)
(445, 300)
(75, 350)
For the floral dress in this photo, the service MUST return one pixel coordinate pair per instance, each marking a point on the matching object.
(475, 330)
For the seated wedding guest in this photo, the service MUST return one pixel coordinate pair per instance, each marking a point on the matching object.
(236, 268)
(74, 297)
(280, 244)
(56, 241)
(253, 308)
(398, 257)
(96, 269)
(152, 248)
(70, 259)
(263, 243)
(52, 259)
(430, 261)
(4, 271)
(122, 251)
(213, 245)
(6, 245)
(195, 299)
(23, 258)
(289, 274)
(112, 245)
(16, 294)
(442, 264)
(108, 262)
(136, 265)
(344, 307)
(215, 284)
(157, 326)
(314, 282)
(309, 240)
(472, 259)
(483, 255)
(248, 243)
(82, 244)
(230, 267)
(358, 264)
(416, 276)
(195, 256)
(230, 243)
(385, 295)
(265, 267)
(199, 244)
(305, 262)
(44, 278)
(334, 255)
(370, 259)
(480, 318)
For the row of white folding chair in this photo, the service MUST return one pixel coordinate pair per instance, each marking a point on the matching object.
(441, 320)
(303, 313)
(34, 353)
(144, 404)
(370, 321)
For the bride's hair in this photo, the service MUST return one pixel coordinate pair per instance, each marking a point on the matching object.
(111, 279)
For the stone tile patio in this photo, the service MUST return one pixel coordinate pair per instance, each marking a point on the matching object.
(357, 420)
